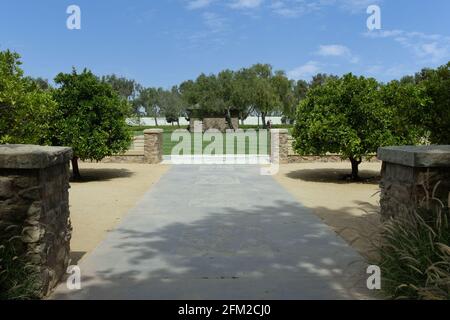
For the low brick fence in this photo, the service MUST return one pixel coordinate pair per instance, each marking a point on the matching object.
(287, 153)
(34, 209)
(147, 148)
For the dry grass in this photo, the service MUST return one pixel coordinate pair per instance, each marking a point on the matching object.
(414, 253)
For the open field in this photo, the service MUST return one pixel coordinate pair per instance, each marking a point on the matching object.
(168, 144)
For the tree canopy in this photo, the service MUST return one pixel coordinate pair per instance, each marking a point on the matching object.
(90, 117)
(126, 88)
(172, 106)
(25, 108)
(353, 116)
(435, 117)
(250, 90)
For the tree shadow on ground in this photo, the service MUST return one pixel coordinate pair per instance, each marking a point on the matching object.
(107, 174)
(333, 175)
(76, 256)
(280, 251)
(361, 232)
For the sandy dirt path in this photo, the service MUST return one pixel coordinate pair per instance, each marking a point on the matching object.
(348, 207)
(104, 196)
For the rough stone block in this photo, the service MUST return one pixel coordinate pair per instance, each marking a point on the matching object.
(412, 175)
(153, 151)
(6, 188)
(34, 184)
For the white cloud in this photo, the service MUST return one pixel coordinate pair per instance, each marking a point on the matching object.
(295, 8)
(213, 35)
(214, 22)
(337, 50)
(428, 47)
(433, 50)
(246, 4)
(305, 71)
(198, 4)
(288, 8)
(389, 72)
(355, 6)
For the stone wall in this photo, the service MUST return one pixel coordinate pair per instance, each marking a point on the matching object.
(411, 175)
(127, 157)
(147, 148)
(279, 140)
(34, 208)
(135, 154)
(153, 146)
(288, 154)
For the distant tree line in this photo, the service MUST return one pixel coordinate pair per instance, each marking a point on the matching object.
(257, 90)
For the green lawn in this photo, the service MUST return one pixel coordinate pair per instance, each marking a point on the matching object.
(254, 149)
(168, 144)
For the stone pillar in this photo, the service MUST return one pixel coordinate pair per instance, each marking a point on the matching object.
(34, 210)
(279, 150)
(410, 175)
(153, 146)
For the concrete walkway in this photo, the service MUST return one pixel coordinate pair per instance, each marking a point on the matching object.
(220, 232)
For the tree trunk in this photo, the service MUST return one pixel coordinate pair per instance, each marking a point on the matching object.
(263, 118)
(228, 119)
(75, 170)
(156, 121)
(355, 168)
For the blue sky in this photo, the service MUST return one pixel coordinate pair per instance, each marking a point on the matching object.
(164, 42)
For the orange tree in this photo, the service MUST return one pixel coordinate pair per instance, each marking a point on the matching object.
(435, 117)
(25, 109)
(353, 116)
(90, 118)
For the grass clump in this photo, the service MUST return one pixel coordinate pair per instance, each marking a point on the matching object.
(414, 254)
(19, 279)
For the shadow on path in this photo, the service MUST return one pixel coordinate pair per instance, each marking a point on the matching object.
(91, 175)
(264, 252)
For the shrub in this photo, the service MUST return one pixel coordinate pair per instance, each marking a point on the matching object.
(414, 254)
(90, 118)
(25, 108)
